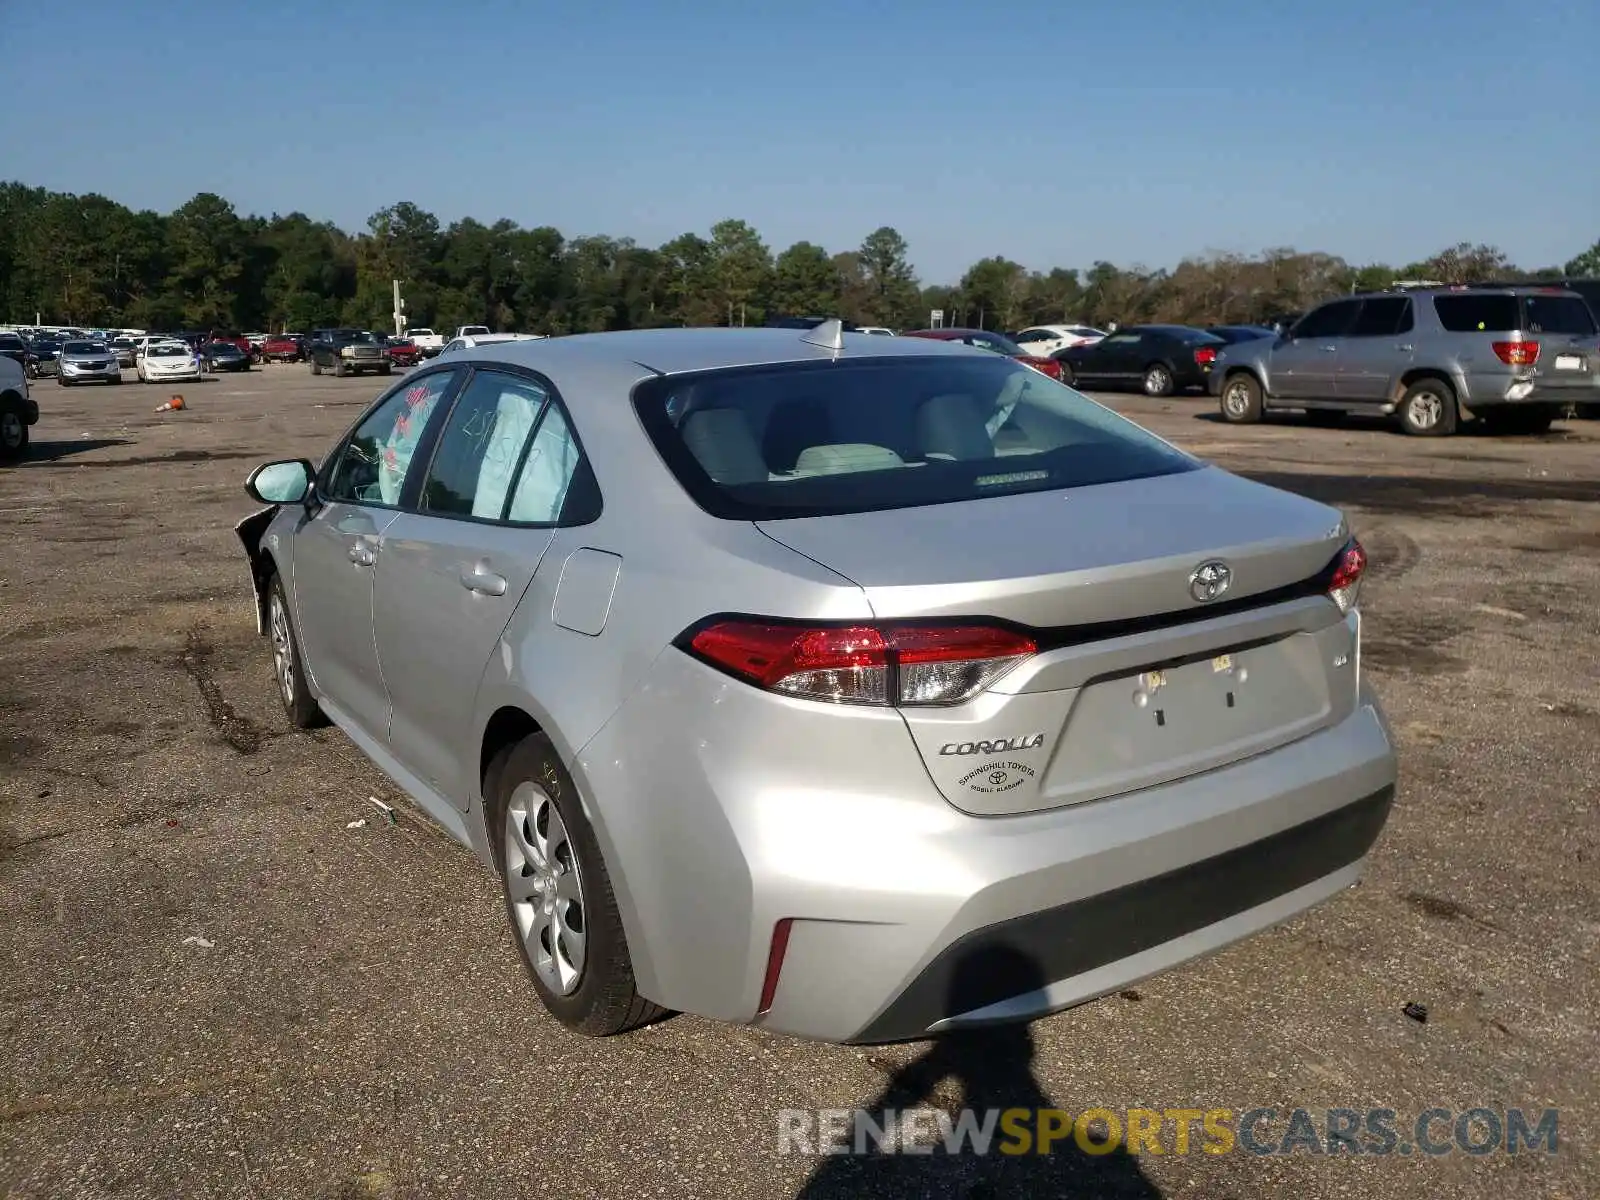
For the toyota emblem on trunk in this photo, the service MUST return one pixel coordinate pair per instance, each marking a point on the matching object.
(1209, 581)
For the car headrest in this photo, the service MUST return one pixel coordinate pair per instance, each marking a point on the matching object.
(721, 441)
(951, 427)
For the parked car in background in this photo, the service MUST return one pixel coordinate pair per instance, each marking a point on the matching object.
(1043, 341)
(84, 361)
(473, 331)
(403, 352)
(1241, 333)
(283, 347)
(429, 342)
(126, 349)
(223, 356)
(876, 330)
(998, 343)
(348, 352)
(741, 735)
(1513, 356)
(457, 345)
(167, 362)
(44, 355)
(18, 410)
(14, 347)
(1159, 359)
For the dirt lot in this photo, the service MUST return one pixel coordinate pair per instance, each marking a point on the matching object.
(359, 1024)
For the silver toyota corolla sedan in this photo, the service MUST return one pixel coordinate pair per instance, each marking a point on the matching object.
(855, 687)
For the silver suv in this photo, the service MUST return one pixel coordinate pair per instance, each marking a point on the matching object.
(1513, 356)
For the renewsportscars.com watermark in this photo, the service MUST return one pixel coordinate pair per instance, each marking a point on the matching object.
(1433, 1132)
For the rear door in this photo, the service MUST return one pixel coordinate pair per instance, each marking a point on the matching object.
(452, 571)
(1377, 351)
(1305, 366)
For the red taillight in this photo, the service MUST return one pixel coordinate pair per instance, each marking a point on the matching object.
(1517, 354)
(1345, 584)
(780, 947)
(1204, 356)
(864, 664)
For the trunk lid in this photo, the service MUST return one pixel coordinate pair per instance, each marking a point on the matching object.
(1136, 682)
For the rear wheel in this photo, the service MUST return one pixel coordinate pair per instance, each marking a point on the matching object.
(1241, 399)
(558, 895)
(1158, 380)
(384, 370)
(339, 371)
(316, 367)
(1428, 409)
(13, 430)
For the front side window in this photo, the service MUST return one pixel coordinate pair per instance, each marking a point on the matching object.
(796, 441)
(1329, 321)
(371, 467)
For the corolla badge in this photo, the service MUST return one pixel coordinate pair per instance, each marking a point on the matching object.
(1210, 581)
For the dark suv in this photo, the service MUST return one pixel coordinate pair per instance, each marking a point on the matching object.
(347, 352)
(1513, 356)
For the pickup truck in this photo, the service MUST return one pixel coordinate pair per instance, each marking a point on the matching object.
(473, 331)
(348, 352)
(427, 341)
(283, 347)
(17, 409)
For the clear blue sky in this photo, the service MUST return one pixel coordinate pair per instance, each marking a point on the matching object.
(1053, 133)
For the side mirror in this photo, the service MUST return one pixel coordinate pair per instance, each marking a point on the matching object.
(286, 482)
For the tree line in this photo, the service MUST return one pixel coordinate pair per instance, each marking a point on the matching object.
(90, 260)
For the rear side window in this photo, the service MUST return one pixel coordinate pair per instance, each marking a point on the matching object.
(814, 439)
(1477, 314)
(1557, 314)
(1331, 320)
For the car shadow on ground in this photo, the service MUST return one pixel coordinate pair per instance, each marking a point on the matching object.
(1423, 495)
(986, 1070)
(47, 452)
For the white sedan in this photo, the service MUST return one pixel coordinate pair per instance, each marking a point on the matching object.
(163, 362)
(1044, 340)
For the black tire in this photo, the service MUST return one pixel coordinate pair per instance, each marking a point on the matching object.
(116, 380)
(61, 381)
(339, 369)
(316, 367)
(1158, 380)
(384, 370)
(294, 693)
(605, 1000)
(13, 430)
(1428, 409)
(1240, 401)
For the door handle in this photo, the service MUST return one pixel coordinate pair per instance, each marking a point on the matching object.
(1405, 346)
(363, 555)
(1327, 349)
(483, 581)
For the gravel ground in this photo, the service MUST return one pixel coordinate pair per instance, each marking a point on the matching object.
(354, 1021)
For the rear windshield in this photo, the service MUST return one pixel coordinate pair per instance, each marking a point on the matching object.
(1557, 314)
(10, 341)
(814, 439)
(167, 351)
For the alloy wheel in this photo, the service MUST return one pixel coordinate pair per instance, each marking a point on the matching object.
(1426, 410)
(1236, 399)
(282, 649)
(1157, 382)
(545, 887)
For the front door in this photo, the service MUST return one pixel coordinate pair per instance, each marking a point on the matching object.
(451, 573)
(1305, 365)
(1377, 351)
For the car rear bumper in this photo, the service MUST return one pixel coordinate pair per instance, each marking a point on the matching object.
(725, 811)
